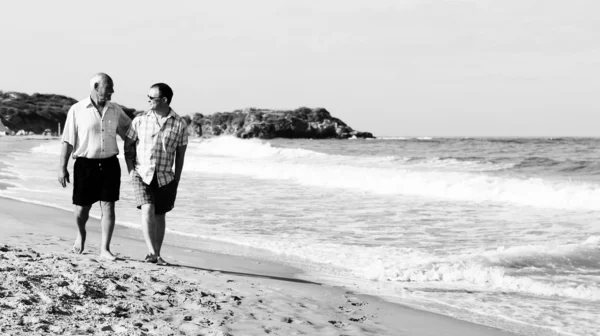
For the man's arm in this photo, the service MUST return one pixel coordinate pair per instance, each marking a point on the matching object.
(129, 149)
(129, 144)
(123, 123)
(69, 141)
(63, 173)
(179, 158)
(180, 151)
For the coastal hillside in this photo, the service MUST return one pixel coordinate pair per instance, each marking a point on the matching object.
(42, 113)
(313, 123)
(33, 113)
(37, 113)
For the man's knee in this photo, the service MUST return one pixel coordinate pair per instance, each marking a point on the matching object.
(148, 209)
(107, 207)
(82, 211)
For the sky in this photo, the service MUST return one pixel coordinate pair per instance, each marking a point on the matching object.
(390, 67)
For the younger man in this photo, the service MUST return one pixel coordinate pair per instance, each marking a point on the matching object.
(159, 137)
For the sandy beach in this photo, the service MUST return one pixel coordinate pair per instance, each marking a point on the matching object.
(46, 289)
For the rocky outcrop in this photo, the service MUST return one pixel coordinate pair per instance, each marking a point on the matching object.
(267, 124)
(42, 113)
(37, 113)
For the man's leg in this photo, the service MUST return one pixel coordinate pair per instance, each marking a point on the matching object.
(159, 237)
(82, 213)
(160, 232)
(108, 225)
(149, 227)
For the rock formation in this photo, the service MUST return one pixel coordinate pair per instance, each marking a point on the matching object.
(42, 113)
(267, 124)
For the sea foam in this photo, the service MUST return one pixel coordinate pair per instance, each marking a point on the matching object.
(378, 175)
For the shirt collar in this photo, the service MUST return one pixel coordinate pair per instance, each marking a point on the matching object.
(88, 101)
(170, 115)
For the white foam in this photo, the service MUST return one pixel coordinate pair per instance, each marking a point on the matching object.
(481, 271)
(561, 253)
(456, 186)
(52, 148)
(250, 148)
(451, 164)
(593, 240)
(393, 138)
(486, 271)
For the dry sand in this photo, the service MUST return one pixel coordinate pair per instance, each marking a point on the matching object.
(44, 289)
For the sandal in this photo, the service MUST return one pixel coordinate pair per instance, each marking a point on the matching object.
(150, 258)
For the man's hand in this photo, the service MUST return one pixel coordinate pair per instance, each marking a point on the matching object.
(63, 177)
(63, 173)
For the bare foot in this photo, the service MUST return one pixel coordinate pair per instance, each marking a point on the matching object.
(107, 255)
(79, 244)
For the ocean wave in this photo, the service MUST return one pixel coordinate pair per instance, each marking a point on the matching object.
(556, 166)
(257, 149)
(522, 141)
(493, 278)
(516, 269)
(418, 269)
(393, 138)
(52, 148)
(250, 148)
(450, 178)
(536, 162)
(469, 163)
(550, 258)
(457, 186)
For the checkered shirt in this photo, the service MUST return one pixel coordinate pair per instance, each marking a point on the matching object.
(156, 142)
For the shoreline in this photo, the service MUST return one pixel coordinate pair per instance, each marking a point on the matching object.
(22, 226)
(51, 230)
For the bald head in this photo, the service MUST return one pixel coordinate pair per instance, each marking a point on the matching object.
(99, 78)
(102, 88)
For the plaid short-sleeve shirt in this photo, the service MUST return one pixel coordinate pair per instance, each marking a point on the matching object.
(156, 141)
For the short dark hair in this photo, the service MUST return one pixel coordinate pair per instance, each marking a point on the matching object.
(165, 91)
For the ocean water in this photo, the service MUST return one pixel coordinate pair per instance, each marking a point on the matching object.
(499, 231)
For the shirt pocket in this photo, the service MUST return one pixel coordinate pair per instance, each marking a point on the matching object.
(170, 139)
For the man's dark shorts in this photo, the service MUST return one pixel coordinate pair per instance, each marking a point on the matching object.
(163, 197)
(96, 180)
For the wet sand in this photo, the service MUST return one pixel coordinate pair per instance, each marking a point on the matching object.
(45, 288)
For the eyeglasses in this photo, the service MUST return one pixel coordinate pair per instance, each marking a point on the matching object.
(154, 98)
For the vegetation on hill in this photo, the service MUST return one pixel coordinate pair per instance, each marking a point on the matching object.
(37, 112)
(304, 122)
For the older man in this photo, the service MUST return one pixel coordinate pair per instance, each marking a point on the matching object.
(89, 136)
(160, 138)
